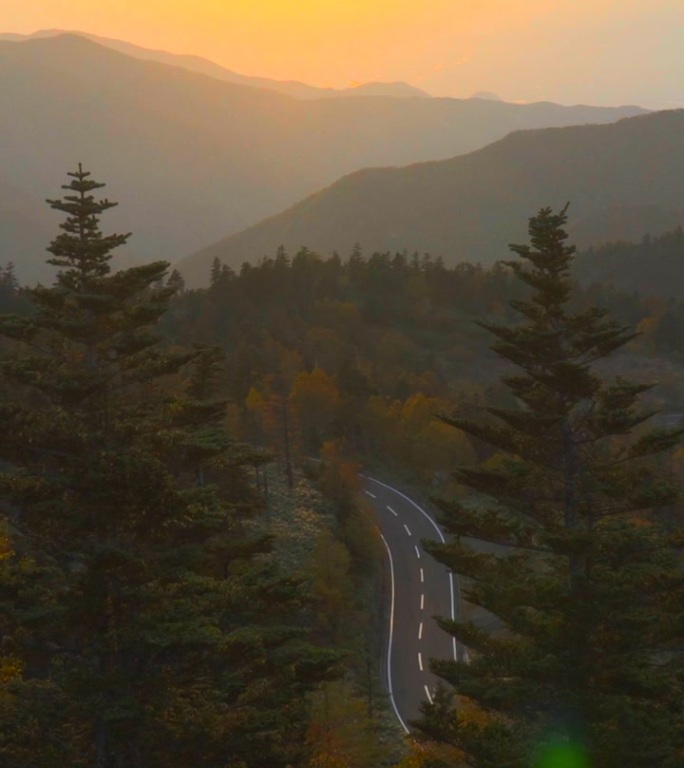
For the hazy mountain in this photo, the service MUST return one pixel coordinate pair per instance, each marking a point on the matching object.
(206, 67)
(652, 266)
(487, 95)
(191, 158)
(26, 228)
(626, 223)
(471, 207)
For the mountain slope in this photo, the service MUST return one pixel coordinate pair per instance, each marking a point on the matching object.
(470, 207)
(191, 158)
(204, 66)
(25, 231)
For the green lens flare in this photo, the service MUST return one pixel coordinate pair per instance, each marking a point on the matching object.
(562, 756)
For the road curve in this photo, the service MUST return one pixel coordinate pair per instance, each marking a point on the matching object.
(420, 589)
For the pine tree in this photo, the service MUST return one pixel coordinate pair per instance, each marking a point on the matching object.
(584, 585)
(10, 292)
(176, 281)
(144, 629)
(216, 271)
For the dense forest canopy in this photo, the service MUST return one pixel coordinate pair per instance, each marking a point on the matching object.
(159, 606)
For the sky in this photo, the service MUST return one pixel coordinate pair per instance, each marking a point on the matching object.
(606, 52)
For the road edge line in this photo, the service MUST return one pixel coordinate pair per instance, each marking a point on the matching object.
(441, 538)
(391, 633)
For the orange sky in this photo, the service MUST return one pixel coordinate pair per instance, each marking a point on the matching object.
(595, 51)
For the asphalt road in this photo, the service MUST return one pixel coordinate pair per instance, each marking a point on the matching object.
(421, 589)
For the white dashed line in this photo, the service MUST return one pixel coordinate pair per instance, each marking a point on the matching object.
(407, 529)
(372, 495)
(422, 576)
(392, 511)
(420, 661)
(427, 690)
(417, 552)
(420, 631)
(422, 602)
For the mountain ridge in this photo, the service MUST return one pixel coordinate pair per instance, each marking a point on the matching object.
(468, 207)
(191, 158)
(207, 67)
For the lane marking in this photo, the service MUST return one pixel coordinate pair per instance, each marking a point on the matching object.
(427, 690)
(422, 576)
(391, 633)
(407, 529)
(453, 618)
(420, 660)
(372, 495)
(417, 552)
(420, 631)
(422, 602)
(392, 511)
(439, 533)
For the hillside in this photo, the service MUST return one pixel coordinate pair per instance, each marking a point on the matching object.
(204, 66)
(194, 158)
(628, 174)
(654, 266)
(25, 232)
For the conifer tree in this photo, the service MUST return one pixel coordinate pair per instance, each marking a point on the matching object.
(216, 271)
(142, 629)
(577, 571)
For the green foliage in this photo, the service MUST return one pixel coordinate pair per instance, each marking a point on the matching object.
(561, 542)
(651, 266)
(366, 350)
(146, 631)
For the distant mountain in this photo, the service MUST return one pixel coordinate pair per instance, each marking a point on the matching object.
(626, 223)
(470, 207)
(211, 69)
(487, 95)
(191, 158)
(25, 231)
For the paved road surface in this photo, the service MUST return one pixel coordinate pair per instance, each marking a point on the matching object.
(421, 589)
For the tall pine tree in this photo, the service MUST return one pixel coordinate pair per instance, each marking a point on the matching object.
(138, 623)
(585, 585)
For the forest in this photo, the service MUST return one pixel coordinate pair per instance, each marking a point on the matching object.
(182, 585)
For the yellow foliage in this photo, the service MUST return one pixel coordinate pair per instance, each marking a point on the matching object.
(340, 731)
(315, 397)
(341, 473)
(429, 753)
(469, 712)
(6, 549)
(255, 401)
(10, 669)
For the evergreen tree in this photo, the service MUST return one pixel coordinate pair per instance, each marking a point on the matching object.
(577, 572)
(176, 281)
(142, 627)
(216, 271)
(10, 292)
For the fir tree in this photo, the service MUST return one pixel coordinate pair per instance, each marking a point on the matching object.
(10, 292)
(216, 271)
(176, 281)
(144, 631)
(585, 585)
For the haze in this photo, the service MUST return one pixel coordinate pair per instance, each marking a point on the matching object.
(604, 52)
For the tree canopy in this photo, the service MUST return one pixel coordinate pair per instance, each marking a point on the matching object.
(561, 542)
(140, 625)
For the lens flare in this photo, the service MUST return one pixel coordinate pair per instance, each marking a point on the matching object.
(562, 755)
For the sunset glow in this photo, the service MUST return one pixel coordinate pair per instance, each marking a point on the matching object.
(567, 51)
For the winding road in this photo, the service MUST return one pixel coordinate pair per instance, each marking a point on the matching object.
(421, 589)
